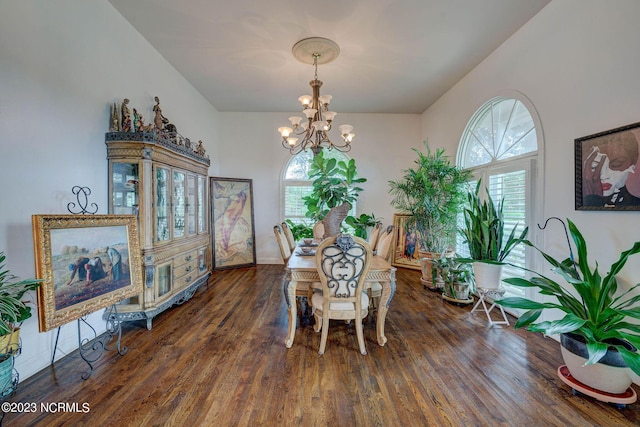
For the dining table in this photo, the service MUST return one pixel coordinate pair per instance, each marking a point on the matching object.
(301, 277)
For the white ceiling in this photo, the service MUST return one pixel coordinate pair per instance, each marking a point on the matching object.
(396, 56)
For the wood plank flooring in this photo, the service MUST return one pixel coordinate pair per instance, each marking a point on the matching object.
(220, 360)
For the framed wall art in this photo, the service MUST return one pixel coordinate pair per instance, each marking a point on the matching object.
(87, 262)
(232, 225)
(607, 170)
(405, 244)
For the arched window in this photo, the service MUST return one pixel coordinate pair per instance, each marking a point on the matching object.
(500, 146)
(296, 184)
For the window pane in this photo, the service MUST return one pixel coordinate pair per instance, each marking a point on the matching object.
(294, 205)
(501, 129)
(512, 186)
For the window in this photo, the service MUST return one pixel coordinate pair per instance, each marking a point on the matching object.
(500, 147)
(296, 185)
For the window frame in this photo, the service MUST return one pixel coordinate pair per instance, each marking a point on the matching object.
(532, 162)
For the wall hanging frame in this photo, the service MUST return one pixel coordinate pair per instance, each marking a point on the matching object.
(87, 262)
(232, 223)
(607, 170)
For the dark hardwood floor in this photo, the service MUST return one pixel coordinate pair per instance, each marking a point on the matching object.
(220, 360)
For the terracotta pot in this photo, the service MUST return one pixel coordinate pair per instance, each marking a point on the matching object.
(487, 276)
(610, 374)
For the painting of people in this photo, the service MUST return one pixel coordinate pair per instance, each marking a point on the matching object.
(406, 244)
(233, 226)
(88, 262)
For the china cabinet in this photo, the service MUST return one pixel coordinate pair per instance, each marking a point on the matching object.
(163, 183)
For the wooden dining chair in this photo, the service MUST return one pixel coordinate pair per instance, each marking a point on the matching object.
(384, 251)
(285, 251)
(343, 263)
(318, 230)
(289, 235)
(373, 236)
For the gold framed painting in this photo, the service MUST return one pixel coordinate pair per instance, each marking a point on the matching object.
(405, 244)
(87, 263)
(233, 231)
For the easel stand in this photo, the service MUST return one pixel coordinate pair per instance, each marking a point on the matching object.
(494, 294)
(92, 349)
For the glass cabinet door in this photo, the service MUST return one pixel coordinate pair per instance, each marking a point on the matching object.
(164, 279)
(124, 188)
(178, 204)
(162, 204)
(191, 204)
(201, 205)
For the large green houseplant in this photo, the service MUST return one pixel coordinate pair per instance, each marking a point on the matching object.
(484, 233)
(432, 192)
(13, 310)
(593, 310)
(334, 187)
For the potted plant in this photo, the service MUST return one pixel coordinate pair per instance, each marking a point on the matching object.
(432, 193)
(334, 190)
(362, 224)
(300, 231)
(13, 311)
(457, 277)
(483, 231)
(594, 327)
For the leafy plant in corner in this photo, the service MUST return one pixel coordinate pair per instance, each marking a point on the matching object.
(483, 229)
(333, 184)
(596, 314)
(361, 223)
(432, 193)
(13, 310)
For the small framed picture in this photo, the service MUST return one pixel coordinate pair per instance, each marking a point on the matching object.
(607, 170)
(405, 244)
(87, 263)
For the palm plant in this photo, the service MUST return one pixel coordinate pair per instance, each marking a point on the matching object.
(432, 193)
(596, 314)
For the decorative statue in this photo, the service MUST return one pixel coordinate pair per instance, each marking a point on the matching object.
(114, 125)
(200, 149)
(126, 116)
(158, 119)
(136, 121)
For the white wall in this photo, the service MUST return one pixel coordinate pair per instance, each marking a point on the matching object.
(577, 61)
(62, 64)
(251, 147)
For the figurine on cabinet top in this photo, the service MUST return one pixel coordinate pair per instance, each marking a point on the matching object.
(159, 120)
(126, 116)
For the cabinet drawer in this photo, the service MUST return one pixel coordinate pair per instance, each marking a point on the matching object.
(190, 267)
(185, 279)
(185, 258)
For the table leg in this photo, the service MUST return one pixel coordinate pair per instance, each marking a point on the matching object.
(388, 291)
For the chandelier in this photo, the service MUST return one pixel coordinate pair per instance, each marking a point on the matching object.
(312, 130)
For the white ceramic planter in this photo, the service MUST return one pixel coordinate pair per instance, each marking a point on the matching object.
(610, 374)
(487, 276)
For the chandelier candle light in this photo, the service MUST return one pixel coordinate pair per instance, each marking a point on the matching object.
(314, 130)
